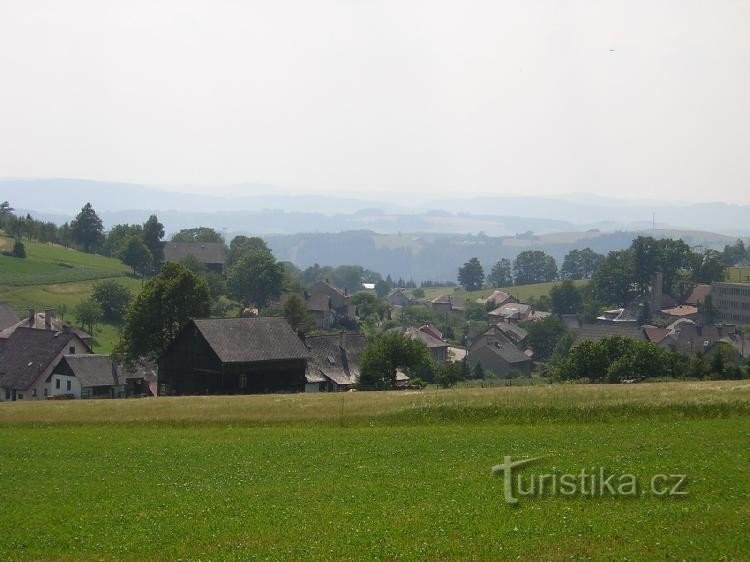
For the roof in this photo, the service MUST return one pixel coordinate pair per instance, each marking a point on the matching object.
(655, 334)
(247, 340)
(38, 323)
(204, 252)
(513, 331)
(325, 284)
(92, 370)
(596, 332)
(506, 350)
(428, 340)
(319, 302)
(335, 357)
(28, 353)
(8, 316)
(698, 295)
(432, 330)
(571, 321)
(680, 311)
(511, 309)
(498, 297)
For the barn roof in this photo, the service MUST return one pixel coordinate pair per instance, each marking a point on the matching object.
(27, 353)
(247, 340)
(92, 370)
(204, 252)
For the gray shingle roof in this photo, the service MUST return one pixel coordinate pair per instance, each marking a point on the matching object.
(509, 352)
(596, 332)
(246, 340)
(92, 370)
(204, 252)
(27, 353)
(428, 340)
(331, 360)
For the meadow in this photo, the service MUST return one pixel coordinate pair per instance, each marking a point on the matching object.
(374, 475)
(52, 276)
(522, 292)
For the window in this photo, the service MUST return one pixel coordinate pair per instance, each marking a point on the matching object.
(7, 394)
(72, 350)
(46, 391)
(33, 392)
(57, 383)
(243, 381)
(68, 385)
(20, 396)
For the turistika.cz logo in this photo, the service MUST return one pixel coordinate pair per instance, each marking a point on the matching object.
(593, 482)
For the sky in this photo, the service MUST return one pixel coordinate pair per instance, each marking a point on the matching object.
(633, 98)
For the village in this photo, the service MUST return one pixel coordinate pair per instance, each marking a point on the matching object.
(317, 337)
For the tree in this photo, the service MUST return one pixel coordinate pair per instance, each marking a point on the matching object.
(471, 275)
(449, 374)
(501, 274)
(544, 335)
(566, 298)
(385, 355)
(709, 267)
(118, 236)
(200, 234)
(87, 229)
(135, 254)
(612, 284)
(296, 313)
(88, 313)
(534, 266)
(153, 232)
(382, 289)
(255, 279)
(368, 304)
(241, 245)
(475, 311)
(348, 277)
(735, 254)
(113, 298)
(19, 250)
(164, 306)
(478, 372)
(581, 264)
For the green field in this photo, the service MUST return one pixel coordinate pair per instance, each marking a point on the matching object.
(52, 276)
(522, 292)
(374, 475)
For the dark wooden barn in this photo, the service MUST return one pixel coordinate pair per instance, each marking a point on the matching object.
(234, 356)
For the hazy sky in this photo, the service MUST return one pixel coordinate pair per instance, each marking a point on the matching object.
(631, 98)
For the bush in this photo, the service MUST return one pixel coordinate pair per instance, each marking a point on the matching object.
(18, 251)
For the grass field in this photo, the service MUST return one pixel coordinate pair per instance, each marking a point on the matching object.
(52, 276)
(373, 475)
(522, 292)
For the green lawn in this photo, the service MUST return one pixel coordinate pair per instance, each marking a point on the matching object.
(521, 292)
(400, 475)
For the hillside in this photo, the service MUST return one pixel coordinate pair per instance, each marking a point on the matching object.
(57, 277)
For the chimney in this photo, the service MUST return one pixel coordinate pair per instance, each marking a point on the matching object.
(32, 313)
(49, 317)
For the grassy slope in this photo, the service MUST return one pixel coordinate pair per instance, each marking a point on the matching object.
(521, 292)
(39, 282)
(208, 478)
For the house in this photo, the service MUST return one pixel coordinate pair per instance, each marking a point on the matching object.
(432, 330)
(210, 254)
(682, 311)
(8, 316)
(398, 297)
(698, 295)
(96, 376)
(510, 311)
(686, 336)
(621, 315)
(514, 333)
(339, 300)
(234, 356)
(320, 308)
(498, 355)
(438, 348)
(657, 336)
(446, 305)
(598, 331)
(732, 302)
(497, 299)
(28, 359)
(334, 362)
(46, 320)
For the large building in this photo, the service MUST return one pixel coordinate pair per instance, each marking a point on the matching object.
(732, 302)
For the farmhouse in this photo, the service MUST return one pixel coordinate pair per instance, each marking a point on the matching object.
(210, 254)
(438, 348)
(334, 361)
(398, 297)
(323, 295)
(234, 356)
(28, 359)
(46, 320)
(498, 354)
